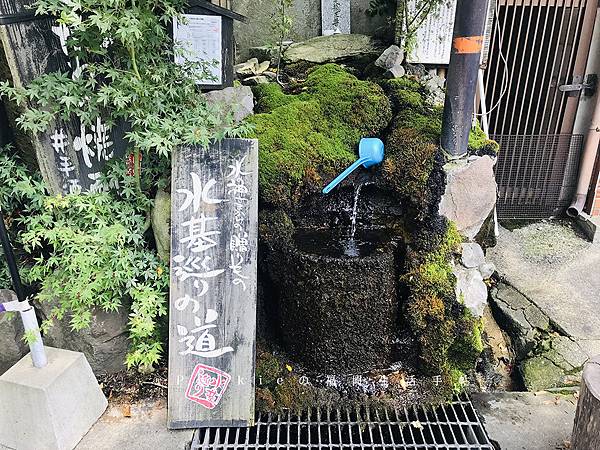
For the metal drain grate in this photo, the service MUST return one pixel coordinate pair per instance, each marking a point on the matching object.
(454, 427)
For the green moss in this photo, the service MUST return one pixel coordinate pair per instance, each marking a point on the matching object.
(404, 92)
(268, 368)
(294, 395)
(307, 137)
(427, 125)
(468, 344)
(430, 310)
(408, 164)
(270, 96)
(479, 143)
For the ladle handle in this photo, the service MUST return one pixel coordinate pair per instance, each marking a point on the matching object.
(337, 180)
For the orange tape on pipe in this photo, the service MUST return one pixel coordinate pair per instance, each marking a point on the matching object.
(467, 44)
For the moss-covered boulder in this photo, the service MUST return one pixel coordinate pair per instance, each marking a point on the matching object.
(307, 137)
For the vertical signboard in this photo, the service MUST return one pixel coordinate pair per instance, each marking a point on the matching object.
(71, 155)
(212, 318)
(433, 39)
(335, 17)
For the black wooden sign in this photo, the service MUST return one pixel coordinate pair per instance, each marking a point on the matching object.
(71, 155)
(213, 284)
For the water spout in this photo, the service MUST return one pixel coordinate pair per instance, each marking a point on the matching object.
(370, 152)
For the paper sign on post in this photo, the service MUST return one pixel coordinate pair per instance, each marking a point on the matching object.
(201, 39)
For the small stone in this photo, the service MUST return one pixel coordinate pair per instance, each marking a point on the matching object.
(391, 57)
(262, 67)
(246, 68)
(395, 72)
(487, 269)
(256, 80)
(472, 255)
(434, 86)
(471, 290)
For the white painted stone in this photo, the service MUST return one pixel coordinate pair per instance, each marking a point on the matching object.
(50, 408)
(335, 17)
(472, 255)
(487, 269)
(471, 290)
(470, 194)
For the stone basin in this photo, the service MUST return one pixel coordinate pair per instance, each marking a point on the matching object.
(337, 300)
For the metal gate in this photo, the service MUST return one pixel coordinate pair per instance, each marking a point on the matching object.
(538, 48)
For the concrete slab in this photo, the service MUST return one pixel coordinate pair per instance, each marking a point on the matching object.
(558, 270)
(527, 420)
(140, 426)
(49, 408)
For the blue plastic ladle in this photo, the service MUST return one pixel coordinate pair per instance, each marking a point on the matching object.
(370, 152)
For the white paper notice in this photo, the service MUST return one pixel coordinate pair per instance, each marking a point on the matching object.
(201, 38)
(434, 36)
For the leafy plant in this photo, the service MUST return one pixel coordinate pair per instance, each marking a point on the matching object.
(92, 254)
(281, 25)
(124, 71)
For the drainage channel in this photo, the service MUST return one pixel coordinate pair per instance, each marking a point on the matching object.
(454, 426)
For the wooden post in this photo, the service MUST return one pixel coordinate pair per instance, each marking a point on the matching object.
(214, 217)
(586, 432)
(70, 155)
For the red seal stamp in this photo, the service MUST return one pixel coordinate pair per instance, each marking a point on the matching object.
(207, 385)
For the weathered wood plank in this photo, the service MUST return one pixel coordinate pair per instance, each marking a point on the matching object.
(586, 432)
(214, 218)
(70, 156)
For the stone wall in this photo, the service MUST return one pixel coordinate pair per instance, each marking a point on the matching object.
(306, 17)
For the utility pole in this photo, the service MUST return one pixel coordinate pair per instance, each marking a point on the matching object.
(461, 82)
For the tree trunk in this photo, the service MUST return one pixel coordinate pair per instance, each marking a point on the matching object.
(586, 432)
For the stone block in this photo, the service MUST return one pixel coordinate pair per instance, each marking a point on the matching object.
(11, 331)
(105, 343)
(50, 408)
(472, 255)
(470, 194)
(240, 98)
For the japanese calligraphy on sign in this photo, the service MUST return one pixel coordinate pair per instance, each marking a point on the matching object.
(71, 155)
(213, 284)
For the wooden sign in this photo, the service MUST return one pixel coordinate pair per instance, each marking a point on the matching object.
(214, 216)
(335, 17)
(71, 155)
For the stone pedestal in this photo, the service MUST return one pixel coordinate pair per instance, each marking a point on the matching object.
(50, 408)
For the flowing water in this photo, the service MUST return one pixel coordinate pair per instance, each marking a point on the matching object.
(351, 248)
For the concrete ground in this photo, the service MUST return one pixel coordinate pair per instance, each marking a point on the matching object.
(552, 265)
(527, 420)
(139, 426)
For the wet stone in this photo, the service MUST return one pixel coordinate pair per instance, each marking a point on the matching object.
(472, 255)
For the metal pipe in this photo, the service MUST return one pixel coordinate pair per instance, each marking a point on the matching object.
(588, 158)
(10, 260)
(30, 322)
(461, 83)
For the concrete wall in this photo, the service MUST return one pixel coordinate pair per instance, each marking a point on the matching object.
(306, 16)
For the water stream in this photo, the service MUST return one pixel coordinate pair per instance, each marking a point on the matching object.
(351, 248)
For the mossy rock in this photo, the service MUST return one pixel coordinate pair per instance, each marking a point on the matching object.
(540, 373)
(311, 136)
(479, 144)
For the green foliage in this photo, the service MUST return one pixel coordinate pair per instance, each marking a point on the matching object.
(431, 301)
(20, 193)
(91, 253)
(126, 56)
(312, 135)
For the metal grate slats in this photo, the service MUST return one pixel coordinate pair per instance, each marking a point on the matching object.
(536, 174)
(454, 426)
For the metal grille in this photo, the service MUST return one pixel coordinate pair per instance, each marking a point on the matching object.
(454, 427)
(534, 50)
(536, 174)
